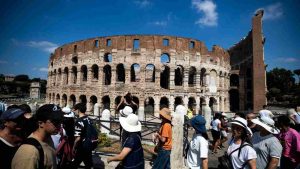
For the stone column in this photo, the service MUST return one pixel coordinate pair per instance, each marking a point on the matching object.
(198, 80)
(113, 75)
(185, 79)
(171, 103)
(172, 78)
(141, 110)
(105, 116)
(156, 107)
(177, 160)
(89, 76)
(79, 76)
(206, 111)
(97, 109)
(197, 105)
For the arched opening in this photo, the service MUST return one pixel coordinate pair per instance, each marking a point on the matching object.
(57, 99)
(165, 58)
(234, 80)
(120, 73)
(178, 101)
(179, 74)
(84, 73)
(192, 77)
(64, 100)
(149, 107)
(164, 77)
(53, 98)
(74, 74)
(164, 101)
(54, 77)
(136, 100)
(192, 103)
(134, 72)
(108, 57)
(74, 60)
(150, 73)
(95, 71)
(202, 77)
(107, 75)
(202, 103)
(106, 102)
(213, 104)
(117, 102)
(82, 99)
(72, 100)
(234, 100)
(59, 76)
(66, 72)
(93, 101)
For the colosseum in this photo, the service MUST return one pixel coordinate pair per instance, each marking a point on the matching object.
(160, 70)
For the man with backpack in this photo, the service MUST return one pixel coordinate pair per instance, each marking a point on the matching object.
(37, 151)
(85, 138)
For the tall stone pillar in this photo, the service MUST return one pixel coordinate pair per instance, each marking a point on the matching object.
(172, 78)
(185, 79)
(141, 110)
(97, 109)
(171, 103)
(197, 105)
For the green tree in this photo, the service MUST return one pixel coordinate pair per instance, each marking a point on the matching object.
(281, 79)
(297, 72)
(22, 78)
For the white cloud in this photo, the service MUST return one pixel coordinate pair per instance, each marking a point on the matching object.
(160, 23)
(142, 3)
(287, 59)
(42, 45)
(3, 62)
(208, 8)
(164, 22)
(273, 11)
(43, 69)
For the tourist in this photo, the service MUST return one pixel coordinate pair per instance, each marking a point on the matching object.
(251, 125)
(124, 113)
(164, 138)
(216, 132)
(290, 141)
(266, 145)
(295, 119)
(81, 154)
(197, 157)
(241, 152)
(127, 100)
(48, 118)
(10, 130)
(132, 155)
(224, 129)
(265, 112)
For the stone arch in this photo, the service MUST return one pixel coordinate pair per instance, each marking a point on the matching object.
(82, 99)
(92, 102)
(66, 72)
(107, 75)
(95, 71)
(57, 99)
(74, 74)
(106, 102)
(192, 103)
(149, 107)
(72, 100)
(179, 75)
(213, 104)
(234, 80)
(164, 101)
(84, 72)
(120, 71)
(234, 100)
(150, 73)
(192, 76)
(165, 58)
(165, 77)
(107, 57)
(64, 100)
(202, 77)
(75, 60)
(134, 72)
(178, 100)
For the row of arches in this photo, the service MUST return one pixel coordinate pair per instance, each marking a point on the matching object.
(191, 76)
(149, 104)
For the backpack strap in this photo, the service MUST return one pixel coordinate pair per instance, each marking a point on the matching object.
(38, 146)
(240, 148)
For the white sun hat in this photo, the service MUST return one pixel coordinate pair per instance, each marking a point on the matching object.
(267, 123)
(131, 123)
(67, 112)
(126, 111)
(243, 123)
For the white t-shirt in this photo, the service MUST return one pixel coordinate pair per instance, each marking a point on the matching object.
(198, 149)
(297, 117)
(266, 113)
(247, 153)
(215, 124)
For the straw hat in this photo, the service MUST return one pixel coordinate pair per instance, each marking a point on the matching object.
(166, 113)
(131, 123)
(267, 123)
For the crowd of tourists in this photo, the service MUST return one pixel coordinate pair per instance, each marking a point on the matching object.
(62, 138)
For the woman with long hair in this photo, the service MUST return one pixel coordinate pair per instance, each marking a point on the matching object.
(240, 149)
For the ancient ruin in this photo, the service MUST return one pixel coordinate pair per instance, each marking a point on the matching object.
(159, 70)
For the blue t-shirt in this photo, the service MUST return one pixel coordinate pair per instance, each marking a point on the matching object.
(135, 158)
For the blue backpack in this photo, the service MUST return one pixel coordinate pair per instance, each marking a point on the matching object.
(90, 142)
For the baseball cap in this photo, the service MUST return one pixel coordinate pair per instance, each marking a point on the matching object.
(11, 114)
(49, 112)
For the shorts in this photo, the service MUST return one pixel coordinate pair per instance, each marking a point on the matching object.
(216, 134)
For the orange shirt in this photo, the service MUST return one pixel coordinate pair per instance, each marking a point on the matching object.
(166, 131)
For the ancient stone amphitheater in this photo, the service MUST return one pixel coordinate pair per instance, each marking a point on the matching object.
(157, 70)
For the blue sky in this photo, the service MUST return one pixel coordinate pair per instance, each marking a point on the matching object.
(31, 29)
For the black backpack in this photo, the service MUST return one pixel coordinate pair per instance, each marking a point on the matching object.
(38, 146)
(225, 160)
(90, 141)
